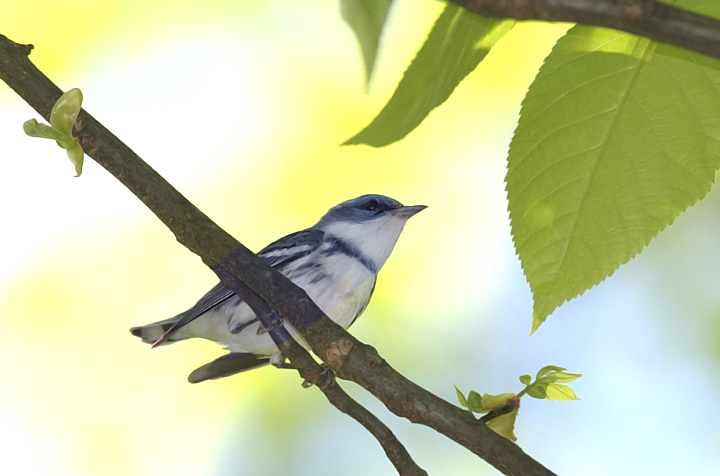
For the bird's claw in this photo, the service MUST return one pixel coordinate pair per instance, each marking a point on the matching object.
(327, 376)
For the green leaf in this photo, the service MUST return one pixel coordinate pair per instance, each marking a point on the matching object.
(552, 391)
(65, 111)
(62, 120)
(491, 402)
(560, 392)
(548, 369)
(33, 128)
(458, 41)
(559, 377)
(504, 425)
(617, 137)
(525, 379)
(474, 401)
(461, 397)
(537, 391)
(367, 19)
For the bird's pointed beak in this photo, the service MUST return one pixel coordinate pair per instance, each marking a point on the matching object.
(406, 212)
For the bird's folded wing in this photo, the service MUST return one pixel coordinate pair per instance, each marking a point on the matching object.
(287, 249)
(278, 254)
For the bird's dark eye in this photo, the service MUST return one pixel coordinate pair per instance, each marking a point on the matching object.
(371, 205)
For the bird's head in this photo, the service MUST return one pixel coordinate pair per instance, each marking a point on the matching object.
(370, 223)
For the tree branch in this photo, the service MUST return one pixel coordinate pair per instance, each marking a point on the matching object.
(350, 358)
(652, 19)
(318, 375)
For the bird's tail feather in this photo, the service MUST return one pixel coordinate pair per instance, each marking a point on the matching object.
(227, 365)
(151, 333)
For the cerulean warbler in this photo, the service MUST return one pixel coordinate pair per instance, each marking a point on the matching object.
(336, 262)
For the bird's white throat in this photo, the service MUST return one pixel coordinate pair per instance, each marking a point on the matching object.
(375, 239)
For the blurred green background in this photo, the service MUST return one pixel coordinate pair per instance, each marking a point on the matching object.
(242, 106)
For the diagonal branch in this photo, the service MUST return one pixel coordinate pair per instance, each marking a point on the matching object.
(351, 359)
(650, 18)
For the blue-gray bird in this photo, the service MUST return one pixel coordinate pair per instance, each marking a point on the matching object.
(336, 262)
